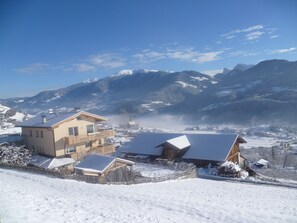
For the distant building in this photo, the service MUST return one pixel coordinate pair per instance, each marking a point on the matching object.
(200, 149)
(262, 163)
(71, 134)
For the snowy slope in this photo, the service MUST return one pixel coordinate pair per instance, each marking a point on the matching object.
(33, 198)
(8, 121)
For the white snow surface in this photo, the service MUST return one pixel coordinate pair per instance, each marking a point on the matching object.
(257, 141)
(149, 170)
(26, 197)
(180, 142)
(184, 84)
(200, 78)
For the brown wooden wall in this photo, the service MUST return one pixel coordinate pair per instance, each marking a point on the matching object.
(234, 154)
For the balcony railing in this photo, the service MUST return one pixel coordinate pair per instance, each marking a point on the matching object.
(105, 149)
(73, 140)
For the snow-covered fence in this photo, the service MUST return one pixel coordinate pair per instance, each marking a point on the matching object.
(52, 173)
(184, 171)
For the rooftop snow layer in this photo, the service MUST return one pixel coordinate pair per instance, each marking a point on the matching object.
(51, 119)
(49, 162)
(95, 163)
(180, 142)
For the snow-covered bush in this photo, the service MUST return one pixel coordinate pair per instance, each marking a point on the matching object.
(18, 155)
(230, 169)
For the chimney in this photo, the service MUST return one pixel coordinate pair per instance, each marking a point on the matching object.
(43, 117)
(76, 109)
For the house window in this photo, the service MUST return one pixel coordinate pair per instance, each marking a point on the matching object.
(37, 133)
(90, 128)
(41, 134)
(70, 149)
(73, 131)
(31, 133)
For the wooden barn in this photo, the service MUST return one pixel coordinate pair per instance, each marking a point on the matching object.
(201, 149)
(108, 169)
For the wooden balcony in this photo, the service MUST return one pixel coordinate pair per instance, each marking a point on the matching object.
(80, 139)
(105, 149)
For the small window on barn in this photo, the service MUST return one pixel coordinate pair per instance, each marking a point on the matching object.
(37, 133)
(90, 129)
(31, 133)
(41, 134)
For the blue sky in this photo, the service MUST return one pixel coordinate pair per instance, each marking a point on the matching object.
(51, 44)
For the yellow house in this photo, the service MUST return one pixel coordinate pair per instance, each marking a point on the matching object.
(71, 134)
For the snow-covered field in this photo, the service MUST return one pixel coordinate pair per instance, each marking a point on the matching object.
(32, 198)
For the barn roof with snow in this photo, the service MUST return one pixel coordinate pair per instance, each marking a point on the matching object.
(212, 147)
(147, 144)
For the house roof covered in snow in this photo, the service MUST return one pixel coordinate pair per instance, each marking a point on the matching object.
(53, 119)
(49, 162)
(99, 163)
(214, 147)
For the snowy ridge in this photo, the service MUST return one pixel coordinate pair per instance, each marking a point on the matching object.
(200, 78)
(184, 84)
(8, 121)
(90, 80)
(131, 72)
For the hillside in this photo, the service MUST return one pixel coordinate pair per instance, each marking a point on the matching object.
(37, 198)
(263, 93)
(8, 118)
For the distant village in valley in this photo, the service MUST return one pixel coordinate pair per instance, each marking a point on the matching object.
(87, 147)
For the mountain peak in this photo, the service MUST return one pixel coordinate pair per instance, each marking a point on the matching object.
(242, 67)
(131, 72)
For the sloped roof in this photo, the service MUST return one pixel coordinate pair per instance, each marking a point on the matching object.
(98, 163)
(202, 146)
(53, 119)
(215, 147)
(146, 143)
(49, 162)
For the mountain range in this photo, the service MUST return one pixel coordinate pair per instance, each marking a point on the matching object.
(254, 94)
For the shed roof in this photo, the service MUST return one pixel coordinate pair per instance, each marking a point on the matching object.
(99, 163)
(214, 147)
(49, 162)
(53, 119)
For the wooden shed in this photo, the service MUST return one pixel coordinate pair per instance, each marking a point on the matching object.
(108, 169)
